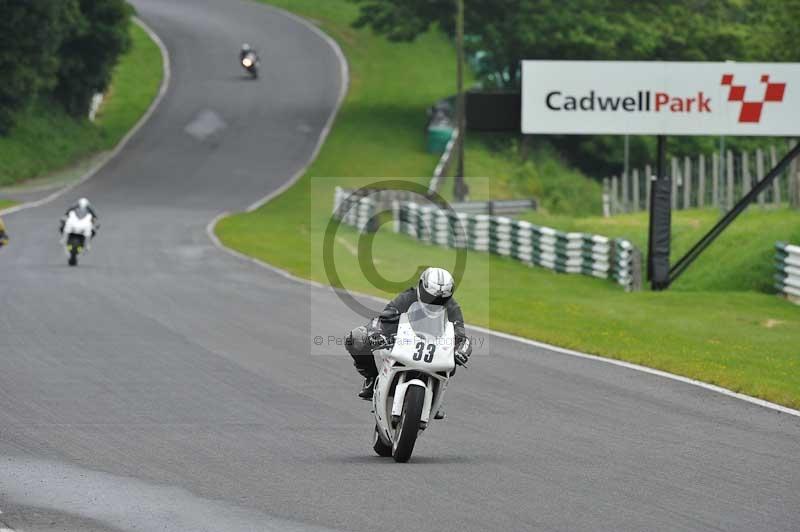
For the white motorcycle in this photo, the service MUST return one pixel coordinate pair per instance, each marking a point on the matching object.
(413, 373)
(77, 232)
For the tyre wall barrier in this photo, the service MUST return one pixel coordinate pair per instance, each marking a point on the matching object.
(787, 278)
(615, 259)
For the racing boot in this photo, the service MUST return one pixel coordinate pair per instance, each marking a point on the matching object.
(368, 388)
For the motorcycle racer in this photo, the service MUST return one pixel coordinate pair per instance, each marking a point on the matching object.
(435, 288)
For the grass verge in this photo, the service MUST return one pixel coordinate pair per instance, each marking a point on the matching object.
(742, 340)
(5, 203)
(47, 139)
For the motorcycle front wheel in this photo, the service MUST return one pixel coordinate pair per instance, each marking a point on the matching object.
(408, 427)
(380, 448)
(73, 256)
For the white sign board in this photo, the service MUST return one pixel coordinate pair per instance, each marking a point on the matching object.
(652, 98)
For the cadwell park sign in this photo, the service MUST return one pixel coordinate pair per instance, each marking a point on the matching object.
(660, 98)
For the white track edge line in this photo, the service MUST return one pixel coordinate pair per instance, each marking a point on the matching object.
(287, 275)
(162, 90)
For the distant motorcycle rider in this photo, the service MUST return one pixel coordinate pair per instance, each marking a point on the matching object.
(81, 208)
(3, 234)
(246, 49)
(435, 287)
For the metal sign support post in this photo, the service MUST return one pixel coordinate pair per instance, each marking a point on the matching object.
(658, 243)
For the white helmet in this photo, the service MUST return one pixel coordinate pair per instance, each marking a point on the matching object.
(436, 287)
(83, 203)
(245, 47)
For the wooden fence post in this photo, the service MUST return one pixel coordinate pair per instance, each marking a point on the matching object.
(635, 176)
(715, 179)
(701, 181)
(730, 183)
(676, 176)
(794, 180)
(614, 195)
(746, 181)
(760, 174)
(625, 191)
(687, 182)
(776, 185)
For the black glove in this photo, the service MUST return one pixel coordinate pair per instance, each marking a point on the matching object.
(463, 352)
(378, 340)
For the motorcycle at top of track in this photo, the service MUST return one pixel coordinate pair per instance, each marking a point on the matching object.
(250, 63)
(413, 373)
(79, 227)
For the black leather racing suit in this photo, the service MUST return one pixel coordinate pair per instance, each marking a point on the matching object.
(387, 323)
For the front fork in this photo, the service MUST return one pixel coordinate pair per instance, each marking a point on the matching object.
(434, 392)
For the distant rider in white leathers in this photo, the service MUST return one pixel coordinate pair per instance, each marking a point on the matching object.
(81, 208)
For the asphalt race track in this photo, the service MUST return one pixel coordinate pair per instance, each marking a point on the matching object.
(167, 385)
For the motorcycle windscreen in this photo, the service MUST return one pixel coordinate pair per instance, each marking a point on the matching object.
(425, 339)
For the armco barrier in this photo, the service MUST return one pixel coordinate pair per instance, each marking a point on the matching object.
(787, 279)
(383, 200)
(495, 206)
(576, 253)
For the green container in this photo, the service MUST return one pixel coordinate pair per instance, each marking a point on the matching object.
(437, 138)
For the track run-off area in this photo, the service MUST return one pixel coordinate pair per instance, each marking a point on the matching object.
(165, 384)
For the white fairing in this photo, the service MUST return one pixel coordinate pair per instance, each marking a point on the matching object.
(79, 225)
(424, 345)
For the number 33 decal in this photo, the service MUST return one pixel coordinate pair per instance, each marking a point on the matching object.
(421, 348)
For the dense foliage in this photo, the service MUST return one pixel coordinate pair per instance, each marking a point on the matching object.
(504, 32)
(64, 49)
(501, 33)
(89, 54)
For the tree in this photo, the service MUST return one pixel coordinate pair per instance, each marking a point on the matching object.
(31, 32)
(89, 54)
(781, 29)
(508, 31)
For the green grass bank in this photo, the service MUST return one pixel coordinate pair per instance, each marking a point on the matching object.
(714, 326)
(47, 139)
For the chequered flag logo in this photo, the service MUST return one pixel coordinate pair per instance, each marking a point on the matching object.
(751, 110)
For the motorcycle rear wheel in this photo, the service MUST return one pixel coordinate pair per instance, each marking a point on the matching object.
(408, 427)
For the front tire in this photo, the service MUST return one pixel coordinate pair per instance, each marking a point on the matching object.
(408, 427)
(380, 448)
(73, 256)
